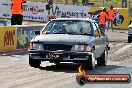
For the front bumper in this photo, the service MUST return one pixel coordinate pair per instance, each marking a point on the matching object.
(63, 56)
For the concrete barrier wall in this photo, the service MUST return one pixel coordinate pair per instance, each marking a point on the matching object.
(8, 37)
(13, 38)
(4, 22)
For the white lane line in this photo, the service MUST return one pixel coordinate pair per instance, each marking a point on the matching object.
(15, 52)
(30, 79)
(112, 63)
(123, 49)
(53, 82)
(63, 81)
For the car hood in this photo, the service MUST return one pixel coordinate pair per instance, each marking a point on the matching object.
(63, 39)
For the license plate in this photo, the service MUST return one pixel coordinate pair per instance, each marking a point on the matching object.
(55, 55)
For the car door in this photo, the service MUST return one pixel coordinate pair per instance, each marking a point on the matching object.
(103, 40)
(97, 42)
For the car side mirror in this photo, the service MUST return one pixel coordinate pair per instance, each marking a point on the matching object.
(37, 32)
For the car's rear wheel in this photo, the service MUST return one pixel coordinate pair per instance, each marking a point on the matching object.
(129, 39)
(102, 61)
(34, 63)
(90, 64)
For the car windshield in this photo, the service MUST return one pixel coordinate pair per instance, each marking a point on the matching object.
(68, 27)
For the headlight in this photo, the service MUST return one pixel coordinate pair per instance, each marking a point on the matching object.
(36, 46)
(84, 48)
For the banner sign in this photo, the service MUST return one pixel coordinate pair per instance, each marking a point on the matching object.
(69, 10)
(25, 34)
(32, 11)
(122, 19)
(8, 39)
(5, 6)
(36, 11)
(17, 37)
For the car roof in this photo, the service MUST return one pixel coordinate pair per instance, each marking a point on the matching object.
(81, 19)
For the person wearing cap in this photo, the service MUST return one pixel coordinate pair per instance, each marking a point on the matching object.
(16, 12)
(102, 18)
(111, 15)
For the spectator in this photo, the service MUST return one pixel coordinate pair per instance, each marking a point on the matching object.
(16, 11)
(65, 1)
(111, 15)
(102, 18)
(85, 2)
(124, 3)
(75, 2)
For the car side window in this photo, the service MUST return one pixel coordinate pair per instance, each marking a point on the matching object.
(96, 31)
(100, 31)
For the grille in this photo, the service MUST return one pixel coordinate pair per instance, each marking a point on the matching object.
(54, 47)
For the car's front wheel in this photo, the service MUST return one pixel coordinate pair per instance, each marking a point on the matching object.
(102, 61)
(34, 63)
(90, 64)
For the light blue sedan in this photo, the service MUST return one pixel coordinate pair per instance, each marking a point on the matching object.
(77, 40)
